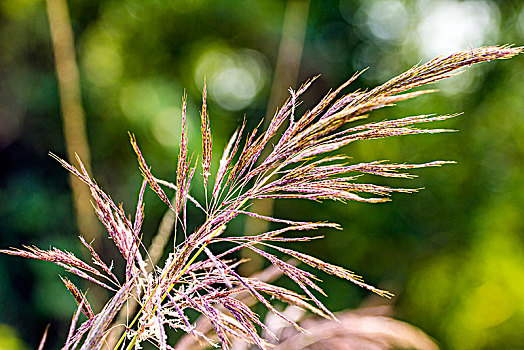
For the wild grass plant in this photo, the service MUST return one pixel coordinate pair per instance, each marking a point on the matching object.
(293, 158)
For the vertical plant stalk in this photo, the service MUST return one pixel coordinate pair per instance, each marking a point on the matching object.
(73, 119)
(286, 75)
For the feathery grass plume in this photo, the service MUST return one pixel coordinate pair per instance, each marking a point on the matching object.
(196, 275)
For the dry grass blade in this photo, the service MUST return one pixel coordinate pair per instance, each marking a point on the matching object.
(80, 297)
(44, 338)
(183, 166)
(69, 341)
(64, 259)
(97, 260)
(225, 161)
(207, 142)
(146, 172)
(332, 270)
(98, 332)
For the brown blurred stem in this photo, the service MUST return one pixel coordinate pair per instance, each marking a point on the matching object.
(286, 75)
(73, 118)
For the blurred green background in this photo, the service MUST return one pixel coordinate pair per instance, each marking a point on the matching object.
(453, 254)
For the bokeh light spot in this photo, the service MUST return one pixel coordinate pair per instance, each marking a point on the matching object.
(165, 126)
(449, 26)
(102, 63)
(387, 19)
(139, 100)
(18, 8)
(235, 77)
(233, 88)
